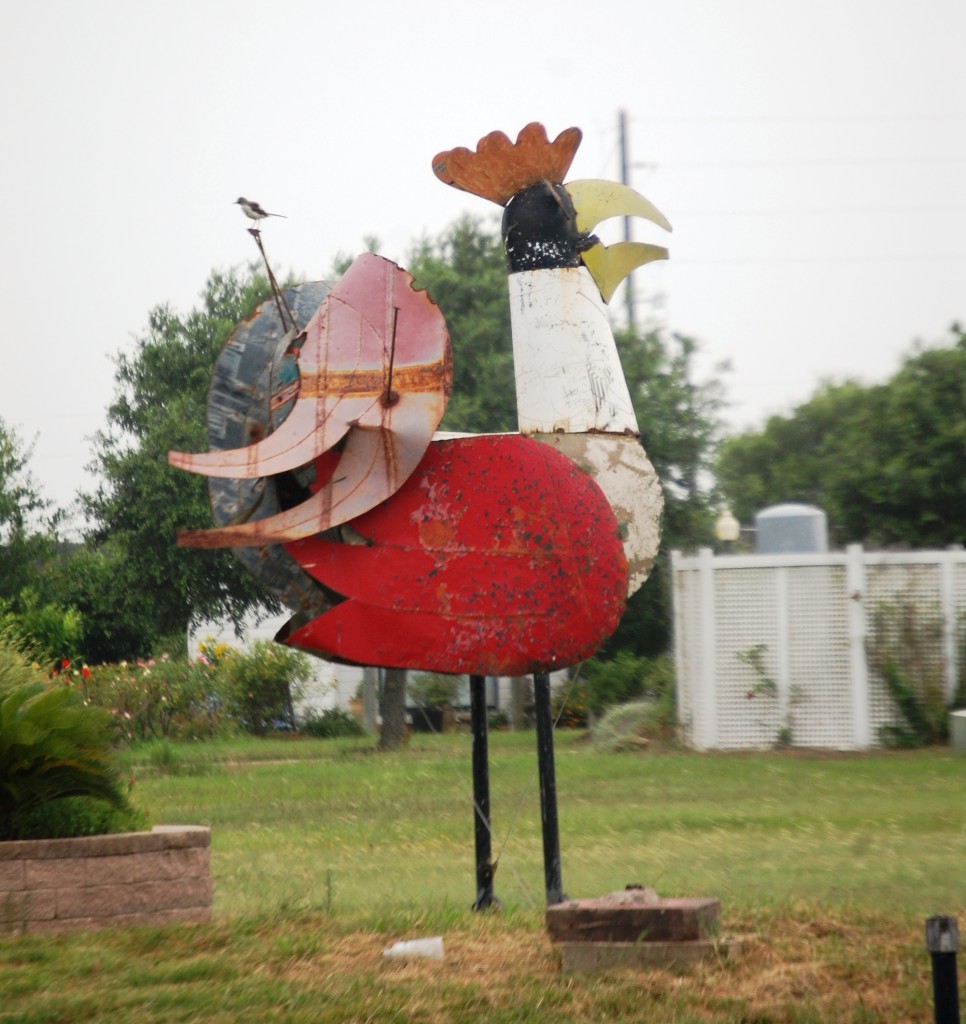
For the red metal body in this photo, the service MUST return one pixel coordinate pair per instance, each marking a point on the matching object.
(498, 556)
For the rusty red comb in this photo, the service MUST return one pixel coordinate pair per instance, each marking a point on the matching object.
(500, 168)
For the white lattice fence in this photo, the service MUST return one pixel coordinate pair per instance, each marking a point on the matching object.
(775, 647)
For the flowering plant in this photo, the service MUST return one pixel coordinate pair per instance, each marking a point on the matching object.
(157, 698)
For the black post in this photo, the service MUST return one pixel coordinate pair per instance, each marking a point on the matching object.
(548, 788)
(481, 795)
(942, 941)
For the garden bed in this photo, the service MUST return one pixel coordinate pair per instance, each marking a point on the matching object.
(134, 878)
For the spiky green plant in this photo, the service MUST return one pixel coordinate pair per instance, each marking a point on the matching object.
(52, 745)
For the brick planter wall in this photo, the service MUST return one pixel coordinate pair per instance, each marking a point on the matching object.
(144, 878)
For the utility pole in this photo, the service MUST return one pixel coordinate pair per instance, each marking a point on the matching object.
(625, 165)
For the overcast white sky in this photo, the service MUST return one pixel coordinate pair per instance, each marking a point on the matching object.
(811, 156)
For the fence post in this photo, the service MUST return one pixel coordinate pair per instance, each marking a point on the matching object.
(707, 735)
(942, 941)
(858, 667)
(947, 596)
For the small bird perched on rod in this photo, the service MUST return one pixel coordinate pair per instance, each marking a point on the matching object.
(252, 210)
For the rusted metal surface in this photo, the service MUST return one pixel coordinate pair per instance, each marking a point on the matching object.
(621, 469)
(498, 556)
(499, 168)
(571, 390)
(486, 555)
(253, 386)
(375, 368)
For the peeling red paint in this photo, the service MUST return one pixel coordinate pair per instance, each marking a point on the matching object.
(529, 576)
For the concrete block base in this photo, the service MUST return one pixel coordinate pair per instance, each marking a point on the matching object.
(637, 928)
(586, 957)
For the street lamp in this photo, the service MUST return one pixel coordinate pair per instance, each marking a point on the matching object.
(727, 529)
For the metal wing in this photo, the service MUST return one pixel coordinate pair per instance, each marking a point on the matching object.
(253, 387)
(499, 556)
(375, 370)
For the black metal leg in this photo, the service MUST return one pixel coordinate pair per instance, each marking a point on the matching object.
(481, 795)
(548, 788)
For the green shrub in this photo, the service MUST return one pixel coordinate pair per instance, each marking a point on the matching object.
(569, 704)
(51, 633)
(626, 677)
(262, 685)
(331, 723)
(16, 668)
(53, 746)
(433, 689)
(925, 719)
(76, 816)
(904, 649)
(634, 726)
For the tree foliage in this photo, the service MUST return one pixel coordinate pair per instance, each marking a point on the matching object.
(884, 461)
(101, 584)
(27, 527)
(161, 391)
(463, 270)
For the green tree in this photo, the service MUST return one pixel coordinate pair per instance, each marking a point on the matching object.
(100, 584)
(27, 526)
(464, 272)
(884, 461)
(160, 402)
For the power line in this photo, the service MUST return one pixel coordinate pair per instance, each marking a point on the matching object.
(767, 261)
(798, 118)
(828, 211)
(815, 162)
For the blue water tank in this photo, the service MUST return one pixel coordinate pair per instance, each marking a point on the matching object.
(791, 529)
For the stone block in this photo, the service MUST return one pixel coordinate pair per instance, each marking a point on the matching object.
(683, 919)
(158, 865)
(17, 909)
(587, 957)
(115, 900)
(11, 875)
(54, 874)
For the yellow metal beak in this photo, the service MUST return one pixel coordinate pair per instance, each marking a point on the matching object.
(596, 201)
(610, 264)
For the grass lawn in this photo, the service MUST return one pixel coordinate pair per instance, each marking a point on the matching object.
(325, 852)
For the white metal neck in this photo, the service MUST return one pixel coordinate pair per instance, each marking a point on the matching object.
(568, 373)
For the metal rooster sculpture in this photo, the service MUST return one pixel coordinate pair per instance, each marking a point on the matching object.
(396, 546)
(489, 555)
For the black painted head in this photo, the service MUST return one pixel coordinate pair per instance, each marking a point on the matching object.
(540, 230)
